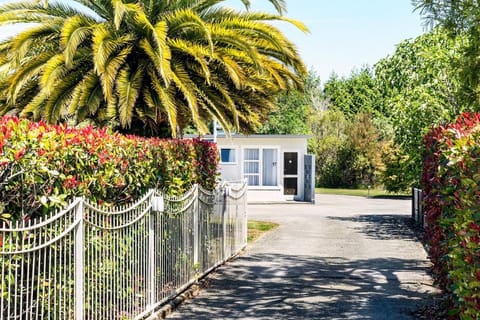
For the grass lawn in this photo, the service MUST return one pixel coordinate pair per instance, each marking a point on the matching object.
(257, 228)
(374, 193)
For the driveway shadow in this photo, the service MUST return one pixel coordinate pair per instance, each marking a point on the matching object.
(275, 286)
(384, 226)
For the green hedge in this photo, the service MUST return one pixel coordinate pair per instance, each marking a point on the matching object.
(43, 166)
(451, 183)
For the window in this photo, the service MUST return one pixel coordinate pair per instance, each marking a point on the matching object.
(290, 166)
(260, 166)
(251, 166)
(228, 155)
(290, 186)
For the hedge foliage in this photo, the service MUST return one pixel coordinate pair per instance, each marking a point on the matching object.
(43, 166)
(451, 183)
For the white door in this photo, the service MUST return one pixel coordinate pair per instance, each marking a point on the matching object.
(269, 167)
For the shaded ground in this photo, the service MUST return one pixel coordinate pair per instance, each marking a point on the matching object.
(343, 258)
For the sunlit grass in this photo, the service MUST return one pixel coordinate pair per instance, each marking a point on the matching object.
(374, 193)
(257, 228)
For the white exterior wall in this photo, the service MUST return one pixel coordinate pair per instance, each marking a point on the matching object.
(234, 171)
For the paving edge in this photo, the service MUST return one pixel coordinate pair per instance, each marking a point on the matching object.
(189, 293)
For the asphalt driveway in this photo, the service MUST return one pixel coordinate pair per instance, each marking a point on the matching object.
(343, 258)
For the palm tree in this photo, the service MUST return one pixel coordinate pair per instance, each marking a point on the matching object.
(143, 66)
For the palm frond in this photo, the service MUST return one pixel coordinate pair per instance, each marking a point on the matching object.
(111, 69)
(24, 73)
(188, 90)
(160, 65)
(111, 113)
(128, 89)
(75, 102)
(105, 44)
(102, 46)
(119, 9)
(156, 34)
(57, 104)
(53, 70)
(234, 70)
(192, 52)
(165, 96)
(90, 96)
(102, 8)
(160, 36)
(26, 93)
(75, 31)
(181, 21)
(29, 12)
(21, 43)
(35, 107)
(230, 38)
(219, 104)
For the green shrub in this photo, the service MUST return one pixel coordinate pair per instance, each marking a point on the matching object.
(348, 153)
(43, 166)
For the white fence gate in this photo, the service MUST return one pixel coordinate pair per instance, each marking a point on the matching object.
(93, 262)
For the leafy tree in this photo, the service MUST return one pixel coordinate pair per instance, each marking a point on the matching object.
(329, 135)
(396, 164)
(420, 84)
(459, 18)
(144, 66)
(348, 152)
(365, 142)
(294, 109)
(354, 94)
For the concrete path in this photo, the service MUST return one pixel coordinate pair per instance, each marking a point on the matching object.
(342, 258)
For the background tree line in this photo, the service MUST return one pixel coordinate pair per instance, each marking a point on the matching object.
(368, 127)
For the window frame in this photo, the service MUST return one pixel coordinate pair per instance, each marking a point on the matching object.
(259, 174)
(236, 153)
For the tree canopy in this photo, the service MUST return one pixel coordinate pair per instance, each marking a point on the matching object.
(395, 103)
(354, 94)
(420, 84)
(459, 18)
(150, 67)
(294, 109)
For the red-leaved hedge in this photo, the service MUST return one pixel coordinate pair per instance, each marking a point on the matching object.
(451, 184)
(42, 166)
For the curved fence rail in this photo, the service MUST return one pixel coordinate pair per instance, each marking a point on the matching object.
(96, 262)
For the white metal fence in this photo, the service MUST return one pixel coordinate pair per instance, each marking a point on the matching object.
(93, 262)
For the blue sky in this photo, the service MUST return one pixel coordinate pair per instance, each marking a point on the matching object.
(344, 34)
(347, 34)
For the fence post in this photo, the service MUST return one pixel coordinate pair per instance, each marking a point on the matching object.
(196, 242)
(245, 217)
(413, 203)
(420, 207)
(224, 223)
(157, 206)
(79, 278)
(417, 208)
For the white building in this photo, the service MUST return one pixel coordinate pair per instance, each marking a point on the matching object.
(276, 167)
